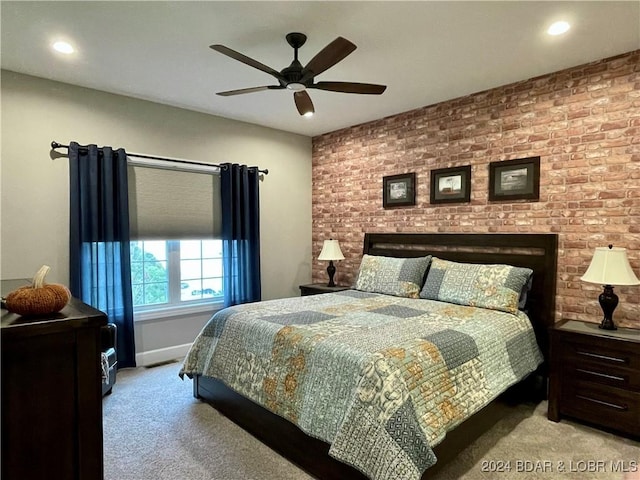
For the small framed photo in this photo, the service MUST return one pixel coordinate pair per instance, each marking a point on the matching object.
(451, 185)
(399, 190)
(515, 179)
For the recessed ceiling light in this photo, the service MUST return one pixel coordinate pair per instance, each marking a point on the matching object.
(558, 28)
(63, 47)
(308, 114)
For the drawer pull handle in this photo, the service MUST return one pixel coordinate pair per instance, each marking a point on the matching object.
(603, 375)
(603, 357)
(624, 408)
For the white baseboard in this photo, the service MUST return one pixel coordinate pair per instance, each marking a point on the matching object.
(145, 359)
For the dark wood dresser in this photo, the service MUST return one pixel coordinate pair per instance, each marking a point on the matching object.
(51, 394)
(595, 376)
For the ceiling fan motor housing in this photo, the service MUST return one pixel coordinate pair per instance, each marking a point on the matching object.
(293, 73)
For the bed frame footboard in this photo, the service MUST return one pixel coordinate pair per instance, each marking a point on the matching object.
(312, 454)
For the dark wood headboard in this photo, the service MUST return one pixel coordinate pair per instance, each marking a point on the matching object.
(538, 252)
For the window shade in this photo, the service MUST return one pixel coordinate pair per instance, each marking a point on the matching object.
(173, 204)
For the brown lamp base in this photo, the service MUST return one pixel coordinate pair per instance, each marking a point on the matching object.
(331, 271)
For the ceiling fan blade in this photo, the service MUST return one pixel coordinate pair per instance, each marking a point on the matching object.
(350, 87)
(303, 102)
(328, 57)
(246, 60)
(250, 90)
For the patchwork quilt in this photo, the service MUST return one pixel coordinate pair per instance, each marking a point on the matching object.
(378, 377)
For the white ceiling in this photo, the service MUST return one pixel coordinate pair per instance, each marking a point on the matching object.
(426, 52)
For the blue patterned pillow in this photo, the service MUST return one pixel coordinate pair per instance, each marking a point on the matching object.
(524, 293)
(401, 277)
(496, 287)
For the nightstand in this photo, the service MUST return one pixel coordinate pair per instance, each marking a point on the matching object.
(317, 288)
(595, 375)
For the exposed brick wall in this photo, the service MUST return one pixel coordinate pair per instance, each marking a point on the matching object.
(583, 122)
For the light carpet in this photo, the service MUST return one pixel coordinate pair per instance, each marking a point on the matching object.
(155, 430)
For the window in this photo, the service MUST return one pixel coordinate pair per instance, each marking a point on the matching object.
(171, 273)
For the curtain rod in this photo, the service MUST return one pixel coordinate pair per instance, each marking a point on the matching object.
(55, 145)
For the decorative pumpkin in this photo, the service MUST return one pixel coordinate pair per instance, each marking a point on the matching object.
(38, 298)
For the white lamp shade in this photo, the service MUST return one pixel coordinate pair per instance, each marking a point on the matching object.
(331, 251)
(610, 266)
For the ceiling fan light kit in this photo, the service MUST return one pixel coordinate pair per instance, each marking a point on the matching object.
(299, 78)
(296, 86)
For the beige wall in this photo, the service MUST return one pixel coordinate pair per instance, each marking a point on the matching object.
(583, 122)
(35, 199)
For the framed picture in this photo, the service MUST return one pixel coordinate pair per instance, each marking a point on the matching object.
(515, 179)
(451, 185)
(399, 190)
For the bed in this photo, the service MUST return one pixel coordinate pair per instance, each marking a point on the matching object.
(377, 381)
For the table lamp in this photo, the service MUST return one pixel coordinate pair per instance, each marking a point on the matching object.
(609, 267)
(331, 251)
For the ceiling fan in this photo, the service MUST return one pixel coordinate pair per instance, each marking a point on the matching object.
(298, 78)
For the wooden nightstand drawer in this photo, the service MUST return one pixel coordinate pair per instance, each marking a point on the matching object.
(611, 407)
(601, 363)
(602, 351)
(598, 374)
